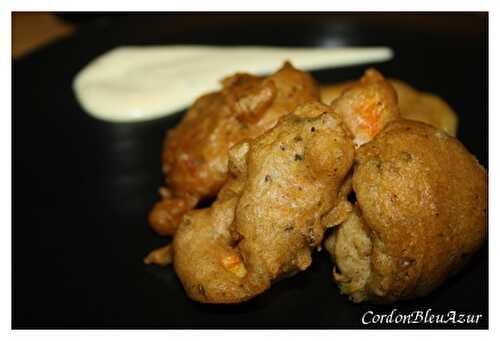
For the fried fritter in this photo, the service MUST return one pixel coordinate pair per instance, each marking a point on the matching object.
(367, 106)
(364, 109)
(284, 188)
(195, 155)
(421, 214)
(413, 104)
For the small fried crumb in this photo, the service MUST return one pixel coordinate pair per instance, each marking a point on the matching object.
(234, 264)
(161, 256)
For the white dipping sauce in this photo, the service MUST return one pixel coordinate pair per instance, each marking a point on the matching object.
(141, 83)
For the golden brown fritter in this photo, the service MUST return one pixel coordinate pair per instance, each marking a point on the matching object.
(365, 109)
(195, 152)
(284, 188)
(413, 104)
(426, 107)
(330, 92)
(367, 106)
(421, 214)
(162, 256)
(350, 248)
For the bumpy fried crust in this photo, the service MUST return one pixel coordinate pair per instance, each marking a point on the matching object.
(413, 104)
(269, 216)
(367, 106)
(422, 204)
(425, 107)
(195, 152)
(372, 97)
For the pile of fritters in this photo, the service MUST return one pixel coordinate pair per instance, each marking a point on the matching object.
(282, 166)
(195, 154)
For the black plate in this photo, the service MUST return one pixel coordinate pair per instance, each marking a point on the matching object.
(83, 188)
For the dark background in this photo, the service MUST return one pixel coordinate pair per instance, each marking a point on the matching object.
(82, 188)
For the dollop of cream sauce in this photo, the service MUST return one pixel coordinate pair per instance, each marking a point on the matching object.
(130, 83)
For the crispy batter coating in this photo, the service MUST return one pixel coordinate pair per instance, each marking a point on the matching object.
(350, 248)
(283, 189)
(162, 256)
(367, 106)
(421, 196)
(372, 97)
(421, 214)
(195, 155)
(413, 104)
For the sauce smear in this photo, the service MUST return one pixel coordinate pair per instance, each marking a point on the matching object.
(141, 83)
